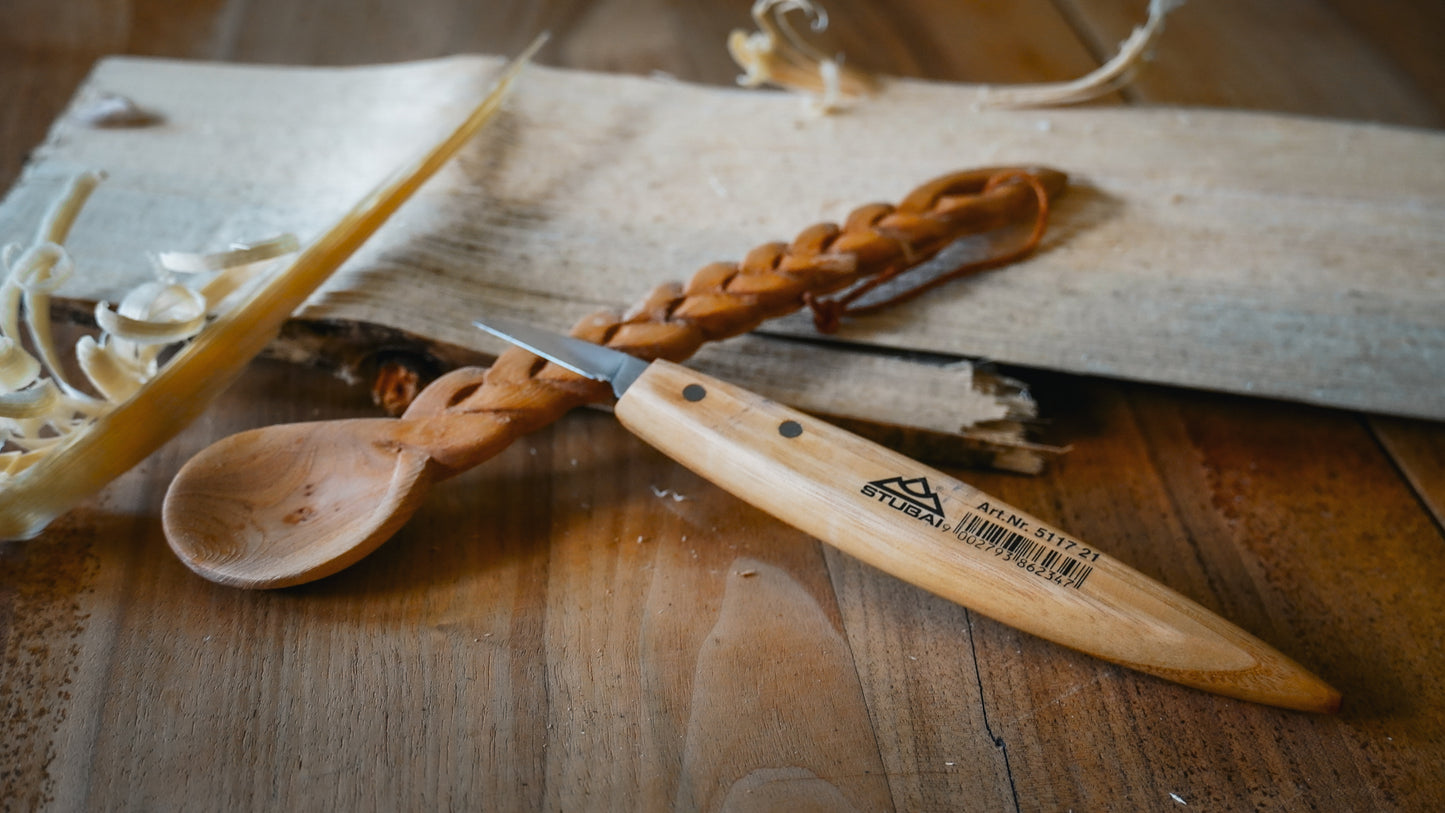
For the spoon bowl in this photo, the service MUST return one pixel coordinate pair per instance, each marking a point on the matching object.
(288, 504)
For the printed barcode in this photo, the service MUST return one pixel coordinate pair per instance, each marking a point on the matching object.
(1045, 560)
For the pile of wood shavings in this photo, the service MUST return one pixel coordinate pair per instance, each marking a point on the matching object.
(41, 408)
(777, 54)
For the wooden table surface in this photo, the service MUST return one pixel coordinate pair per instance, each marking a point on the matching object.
(548, 632)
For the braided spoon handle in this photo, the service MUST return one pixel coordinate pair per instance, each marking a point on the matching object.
(471, 414)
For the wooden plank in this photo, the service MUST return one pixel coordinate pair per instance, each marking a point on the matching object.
(625, 647)
(1344, 589)
(1418, 447)
(1007, 42)
(1407, 33)
(957, 412)
(657, 655)
(1223, 499)
(558, 639)
(1292, 56)
(916, 656)
(96, 26)
(39, 80)
(1316, 205)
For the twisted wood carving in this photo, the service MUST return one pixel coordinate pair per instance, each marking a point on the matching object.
(473, 413)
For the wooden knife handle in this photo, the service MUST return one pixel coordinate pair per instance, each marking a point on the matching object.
(947, 537)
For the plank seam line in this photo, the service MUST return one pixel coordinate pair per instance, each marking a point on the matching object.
(1383, 56)
(1402, 473)
(873, 721)
(1094, 42)
(1215, 580)
(998, 742)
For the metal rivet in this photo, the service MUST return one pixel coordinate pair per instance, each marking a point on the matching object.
(790, 429)
(694, 392)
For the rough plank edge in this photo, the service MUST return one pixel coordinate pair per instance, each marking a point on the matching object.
(372, 355)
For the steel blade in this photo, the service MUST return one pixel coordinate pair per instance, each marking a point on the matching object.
(583, 358)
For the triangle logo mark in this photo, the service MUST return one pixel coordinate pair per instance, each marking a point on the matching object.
(915, 491)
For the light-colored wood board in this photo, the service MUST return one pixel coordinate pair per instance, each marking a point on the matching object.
(953, 411)
(1270, 255)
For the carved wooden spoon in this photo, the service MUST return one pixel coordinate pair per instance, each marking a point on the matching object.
(291, 503)
(287, 504)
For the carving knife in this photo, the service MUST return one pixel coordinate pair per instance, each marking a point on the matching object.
(927, 528)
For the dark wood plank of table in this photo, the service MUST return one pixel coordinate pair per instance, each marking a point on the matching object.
(582, 624)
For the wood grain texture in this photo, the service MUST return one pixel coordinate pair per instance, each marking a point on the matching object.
(1295, 56)
(1252, 540)
(1377, 68)
(1418, 448)
(557, 629)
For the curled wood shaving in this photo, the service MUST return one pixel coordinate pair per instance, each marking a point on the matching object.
(1107, 78)
(777, 54)
(17, 367)
(35, 401)
(155, 313)
(110, 110)
(222, 274)
(241, 254)
(40, 406)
